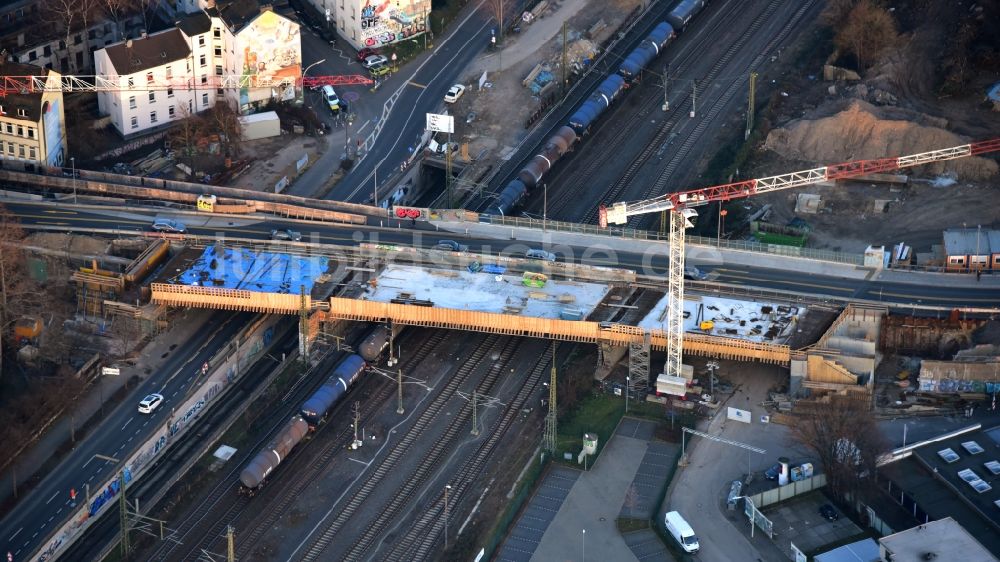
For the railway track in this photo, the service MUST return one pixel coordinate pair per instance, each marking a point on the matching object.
(681, 154)
(614, 132)
(617, 189)
(317, 544)
(421, 539)
(206, 525)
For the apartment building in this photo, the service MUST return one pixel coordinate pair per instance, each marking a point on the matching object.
(161, 58)
(376, 23)
(32, 126)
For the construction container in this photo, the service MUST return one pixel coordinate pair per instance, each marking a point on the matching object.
(28, 328)
(260, 125)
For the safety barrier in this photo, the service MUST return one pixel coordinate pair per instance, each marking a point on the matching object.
(227, 299)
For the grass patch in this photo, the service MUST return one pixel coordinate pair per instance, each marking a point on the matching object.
(628, 525)
(594, 414)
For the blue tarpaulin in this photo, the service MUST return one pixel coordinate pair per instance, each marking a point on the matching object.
(267, 272)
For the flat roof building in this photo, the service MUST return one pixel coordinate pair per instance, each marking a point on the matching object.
(943, 539)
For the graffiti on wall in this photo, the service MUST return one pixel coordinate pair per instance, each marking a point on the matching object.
(272, 49)
(387, 21)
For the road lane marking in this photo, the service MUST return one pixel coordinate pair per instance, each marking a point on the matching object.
(421, 86)
(48, 223)
(16, 533)
(51, 518)
(126, 423)
(54, 496)
(88, 462)
(55, 212)
(724, 279)
(91, 477)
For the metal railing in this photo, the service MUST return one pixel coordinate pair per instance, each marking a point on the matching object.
(636, 234)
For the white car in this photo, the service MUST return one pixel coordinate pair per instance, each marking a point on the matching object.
(332, 101)
(374, 60)
(454, 93)
(150, 403)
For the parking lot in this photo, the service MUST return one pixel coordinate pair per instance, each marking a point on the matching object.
(798, 521)
(532, 524)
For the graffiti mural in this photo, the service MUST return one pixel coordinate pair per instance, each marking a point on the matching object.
(272, 49)
(54, 135)
(388, 21)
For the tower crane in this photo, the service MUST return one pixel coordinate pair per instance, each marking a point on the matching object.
(69, 83)
(680, 207)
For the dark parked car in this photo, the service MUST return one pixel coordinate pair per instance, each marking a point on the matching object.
(773, 472)
(286, 234)
(365, 53)
(828, 512)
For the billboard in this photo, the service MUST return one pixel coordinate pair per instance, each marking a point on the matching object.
(388, 21)
(270, 48)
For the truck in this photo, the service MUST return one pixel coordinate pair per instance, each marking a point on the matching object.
(681, 531)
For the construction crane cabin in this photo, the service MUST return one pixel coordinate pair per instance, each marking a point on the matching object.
(680, 208)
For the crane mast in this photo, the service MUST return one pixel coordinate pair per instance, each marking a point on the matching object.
(681, 212)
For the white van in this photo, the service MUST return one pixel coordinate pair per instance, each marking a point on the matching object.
(331, 98)
(681, 531)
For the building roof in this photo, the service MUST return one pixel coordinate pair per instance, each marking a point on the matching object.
(862, 551)
(944, 537)
(235, 13)
(30, 103)
(965, 241)
(195, 24)
(136, 55)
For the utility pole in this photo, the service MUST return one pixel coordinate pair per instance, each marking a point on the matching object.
(446, 488)
(565, 85)
(475, 421)
(549, 442)
(357, 423)
(447, 179)
(753, 95)
(123, 514)
(303, 324)
(399, 391)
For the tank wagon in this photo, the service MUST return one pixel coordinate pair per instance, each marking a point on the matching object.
(271, 456)
(375, 344)
(596, 104)
(315, 409)
(648, 50)
(684, 12)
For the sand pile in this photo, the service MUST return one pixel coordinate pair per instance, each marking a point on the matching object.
(858, 130)
(72, 243)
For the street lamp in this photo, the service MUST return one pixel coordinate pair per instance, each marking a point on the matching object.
(628, 386)
(73, 162)
(545, 207)
(583, 547)
(320, 61)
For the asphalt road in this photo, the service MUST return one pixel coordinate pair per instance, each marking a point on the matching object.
(940, 294)
(48, 505)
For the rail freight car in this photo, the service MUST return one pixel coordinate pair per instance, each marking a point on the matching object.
(684, 12)
(270, 457)
(557, 145)
(315, 409)
(375, 344)
(648, 50)
(598, 102)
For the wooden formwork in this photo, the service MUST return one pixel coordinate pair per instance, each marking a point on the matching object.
(227, 299)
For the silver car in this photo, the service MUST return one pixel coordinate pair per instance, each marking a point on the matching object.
(286, 234)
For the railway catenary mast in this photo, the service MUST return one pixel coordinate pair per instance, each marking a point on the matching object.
(680, 210)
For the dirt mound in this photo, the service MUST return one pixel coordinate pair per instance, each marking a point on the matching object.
(71, 243)
(853, 130)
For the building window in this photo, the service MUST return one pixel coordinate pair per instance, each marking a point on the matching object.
(202, 61)
(47, 50)
(152, 97)
(20, 131)
(62, 45)
(220, 92)
(217, 33)
(152, 117)
(21, 113)
(204, 79)
(10, 148)
(77, 39)
(171, 112)
(170, 92)
(92, 34)
(131, 102)
(170, 73)
(32, 55)
(956, 261)
(218, 70)
(20, 151)
(31, 132)
(149, 77)
(10, 129)
(218, 51)
(131, 82)
(79, 59)
(201, 41)
(135, 122)
(204, 100)
(31, 152)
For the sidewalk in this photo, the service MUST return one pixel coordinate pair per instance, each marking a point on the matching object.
(154, 355)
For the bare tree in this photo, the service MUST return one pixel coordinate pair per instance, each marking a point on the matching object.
(499, 11)
(867, 31)
(847, 442)
(225, 120)
(70, 16)
(117, 11)
(13, 277)
(184, 137)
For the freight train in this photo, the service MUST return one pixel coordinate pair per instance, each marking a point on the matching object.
(313, 411)
(595, 105)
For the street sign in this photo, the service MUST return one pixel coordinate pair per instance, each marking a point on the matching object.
(112, 371)
(10, 557)
(440, 123)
